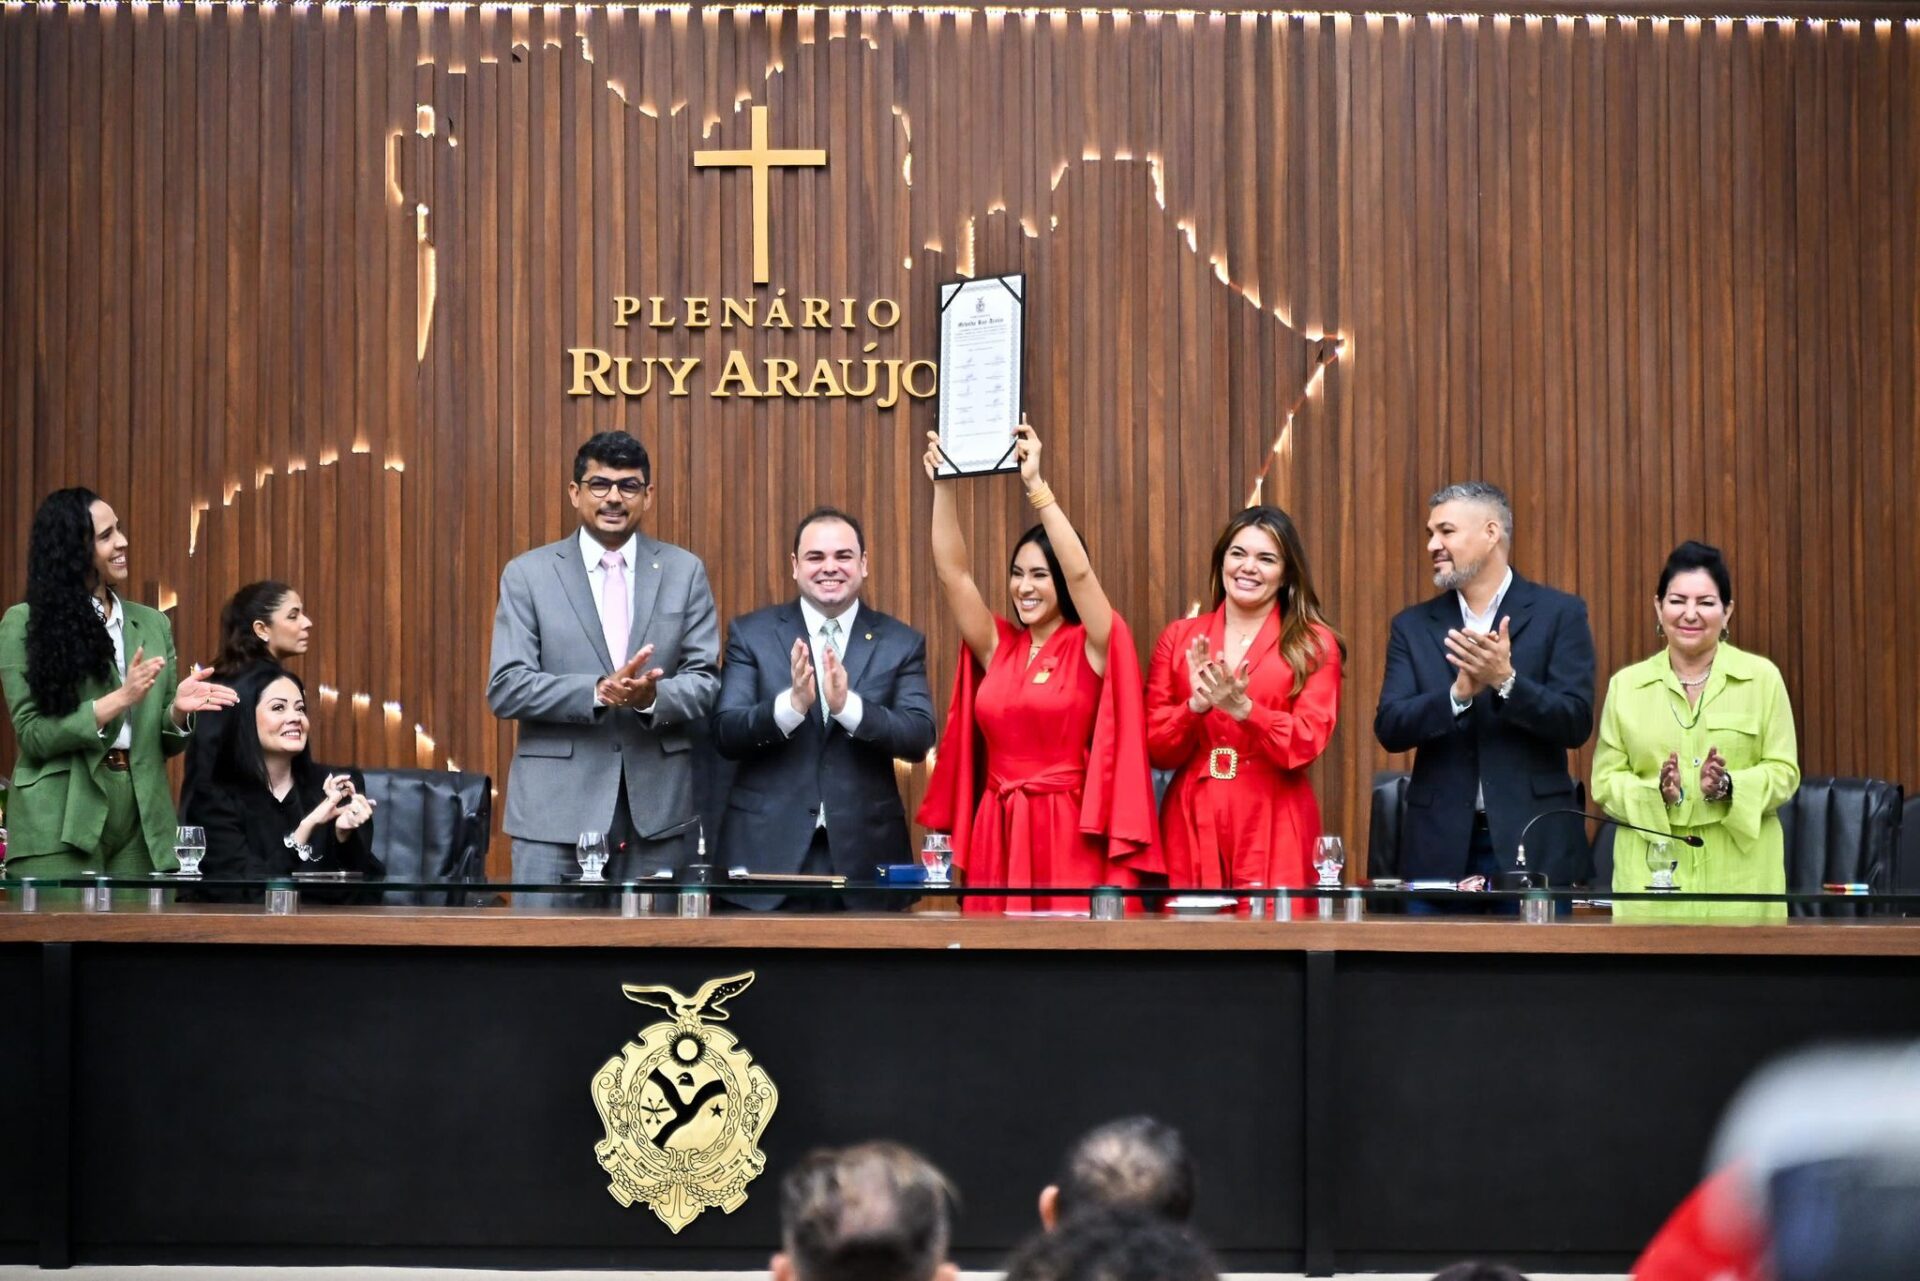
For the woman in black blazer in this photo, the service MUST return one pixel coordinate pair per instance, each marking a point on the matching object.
(269, 810)
(262, 626)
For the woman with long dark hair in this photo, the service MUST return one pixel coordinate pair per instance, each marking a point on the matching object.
(1042, 774)
(264, 624)
(269, 810)
(1240, 701)
(97, 705)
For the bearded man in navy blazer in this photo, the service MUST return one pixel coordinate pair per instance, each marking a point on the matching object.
(818, 697)
(1490, 685)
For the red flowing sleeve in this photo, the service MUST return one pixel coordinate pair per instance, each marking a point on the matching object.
(1295, 738)
(1173, 731)
(953, 790)
(1118, 801)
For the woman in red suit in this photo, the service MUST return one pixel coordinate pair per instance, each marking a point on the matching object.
(1239, 702)
(1042, 773)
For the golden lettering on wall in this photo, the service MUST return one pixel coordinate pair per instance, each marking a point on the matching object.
(684, 1107)
(595, 371)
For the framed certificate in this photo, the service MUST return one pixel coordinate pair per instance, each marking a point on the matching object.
(983, 353)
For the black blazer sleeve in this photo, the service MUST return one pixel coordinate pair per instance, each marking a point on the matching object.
(234, 834)
(905, 729)
(1558, 707)
(1409, 717)
(743, 717)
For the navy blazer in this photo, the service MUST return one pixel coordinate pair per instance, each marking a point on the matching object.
(783, 780)
(1515, 748)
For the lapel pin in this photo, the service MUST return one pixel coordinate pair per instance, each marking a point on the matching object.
(656, 564)
(869, 635)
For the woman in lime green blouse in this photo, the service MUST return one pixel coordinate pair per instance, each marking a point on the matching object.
(1698, 741)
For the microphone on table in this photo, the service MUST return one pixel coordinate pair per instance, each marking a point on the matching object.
(1520, 846)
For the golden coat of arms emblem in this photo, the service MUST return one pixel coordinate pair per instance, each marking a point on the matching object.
(684, 1107)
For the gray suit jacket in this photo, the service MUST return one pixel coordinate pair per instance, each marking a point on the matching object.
(549, 653)
(783, 779)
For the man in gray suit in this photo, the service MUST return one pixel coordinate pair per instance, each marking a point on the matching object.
(604, 649)
(818, 698)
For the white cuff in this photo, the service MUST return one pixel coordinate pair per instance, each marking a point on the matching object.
(1459, 708)
(849, 716)
(785, 715)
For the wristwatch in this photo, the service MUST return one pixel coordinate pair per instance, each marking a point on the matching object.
(1505, 688)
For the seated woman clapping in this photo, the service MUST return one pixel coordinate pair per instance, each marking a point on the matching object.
(268, 809)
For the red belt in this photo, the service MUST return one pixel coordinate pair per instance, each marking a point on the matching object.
(1058, 779)
(117, 760)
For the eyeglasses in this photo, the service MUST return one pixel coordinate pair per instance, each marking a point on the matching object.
(600, 487)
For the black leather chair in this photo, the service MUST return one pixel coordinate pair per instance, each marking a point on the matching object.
(431, 825)
(1389, 812)
(1841, 830)
(1835, 830)
(1389, 817)
(1906, 872)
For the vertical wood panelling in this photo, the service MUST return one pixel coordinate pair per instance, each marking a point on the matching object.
(1656, 276)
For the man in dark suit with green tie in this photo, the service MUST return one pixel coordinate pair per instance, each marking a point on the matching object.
(818, 697)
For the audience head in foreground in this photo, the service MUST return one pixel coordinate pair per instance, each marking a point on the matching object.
(1478, 1272)
(1134, 1164)
(872, 1212)
(1113, 1245)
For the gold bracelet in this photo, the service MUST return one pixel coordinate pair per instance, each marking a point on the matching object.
(1041, 495)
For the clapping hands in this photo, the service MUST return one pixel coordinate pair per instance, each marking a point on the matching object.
(632, 683)
(342, 805)
(1214, 685)
(1715, 781)
(198, 694)
(1481, 660)
(808, 685)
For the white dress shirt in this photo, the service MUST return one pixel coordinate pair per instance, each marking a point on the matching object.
(787, 716)
(116, 620)
(1480, 623)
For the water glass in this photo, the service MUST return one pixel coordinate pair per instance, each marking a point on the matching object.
(190, 846)
(1661, 860)
(591, 850)
(936, 855)
(1329, 860)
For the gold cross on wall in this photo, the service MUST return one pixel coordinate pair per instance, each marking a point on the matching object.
(760, 159)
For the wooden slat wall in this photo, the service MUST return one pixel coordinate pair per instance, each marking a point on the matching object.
(1658, 277)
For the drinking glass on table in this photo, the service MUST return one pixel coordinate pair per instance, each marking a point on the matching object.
(591, 850)
(1661, 860)
(190, 846)
(1329, 860)
(936, 855)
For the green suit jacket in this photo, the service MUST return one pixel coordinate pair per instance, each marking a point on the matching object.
(58, 801)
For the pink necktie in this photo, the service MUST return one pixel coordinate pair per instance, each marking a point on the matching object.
(615, 610)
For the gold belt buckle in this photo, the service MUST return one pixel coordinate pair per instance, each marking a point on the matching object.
(1232, 767)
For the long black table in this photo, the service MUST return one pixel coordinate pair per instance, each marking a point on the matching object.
(214, 1085)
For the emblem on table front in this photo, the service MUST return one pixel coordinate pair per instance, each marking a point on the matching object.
(684, 1107)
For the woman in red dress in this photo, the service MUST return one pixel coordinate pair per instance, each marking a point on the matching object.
(1042, 772)
(1239, 702)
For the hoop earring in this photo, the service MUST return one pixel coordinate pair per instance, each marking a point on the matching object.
(1726, 632)
(1659, 629)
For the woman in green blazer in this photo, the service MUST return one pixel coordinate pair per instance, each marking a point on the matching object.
(97, 708)
(1698, 741)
